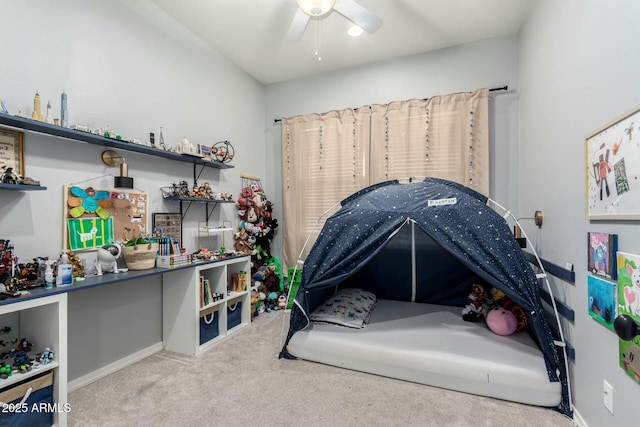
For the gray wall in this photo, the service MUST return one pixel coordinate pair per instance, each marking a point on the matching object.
(119, 69)
(491, 63)
(571, 70)
(579, 68)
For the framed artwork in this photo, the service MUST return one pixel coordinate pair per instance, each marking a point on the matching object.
(12, 150)
(601, 300)
(115, 215)
(629, 304)
(89, 233)
(601, 254)
(168, 225)
(613, 169)
(205, 151)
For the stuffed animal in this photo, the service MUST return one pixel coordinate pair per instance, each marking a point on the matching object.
(271, 281)
(282, 302)
(271, 303)
(500, 299)
(473, 311)
(501, 321)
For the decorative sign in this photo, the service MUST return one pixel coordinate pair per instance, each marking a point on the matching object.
(12, 150)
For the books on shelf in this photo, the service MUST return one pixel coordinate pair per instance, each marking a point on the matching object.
(206, 297)
(173, 261)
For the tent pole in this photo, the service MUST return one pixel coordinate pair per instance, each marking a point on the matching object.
(413, 262)
(543, 275)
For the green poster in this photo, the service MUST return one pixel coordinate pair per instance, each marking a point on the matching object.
(87, 233)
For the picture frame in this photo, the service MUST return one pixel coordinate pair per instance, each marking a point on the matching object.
(170, 225)
(601, 254)
(12, 150)
(120, 215)
(613, 168)
(601, 300)
(629, 304)
(205, 151)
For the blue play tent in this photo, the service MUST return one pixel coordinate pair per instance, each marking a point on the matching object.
(424, 242)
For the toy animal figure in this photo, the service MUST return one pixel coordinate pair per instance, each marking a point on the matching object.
(632, 293)
(9, 176)
(107, 259)
(473, 311)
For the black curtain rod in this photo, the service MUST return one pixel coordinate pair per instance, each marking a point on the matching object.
(505, 87)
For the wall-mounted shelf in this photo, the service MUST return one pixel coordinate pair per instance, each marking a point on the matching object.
(21, 187)
(90, 138)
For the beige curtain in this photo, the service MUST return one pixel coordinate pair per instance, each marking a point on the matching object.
(324, 159)
(444, 137)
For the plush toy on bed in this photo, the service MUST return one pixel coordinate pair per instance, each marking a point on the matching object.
(501, 321)
(474, 311)
(499, 299)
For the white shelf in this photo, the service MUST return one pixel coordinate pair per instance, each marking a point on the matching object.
(214, 229)
(17, 377)
(43, 321)
(181, 311)
(207, 308)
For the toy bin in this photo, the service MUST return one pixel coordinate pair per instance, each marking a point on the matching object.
(209, 328)
(41, 394)
(294, 284)
(234, 314)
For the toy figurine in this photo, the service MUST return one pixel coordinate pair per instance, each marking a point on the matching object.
(25, 345)
(5, 371)
(107, 259)
(46, 356)
(9, 176)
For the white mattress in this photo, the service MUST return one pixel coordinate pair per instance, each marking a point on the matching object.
(431, 344)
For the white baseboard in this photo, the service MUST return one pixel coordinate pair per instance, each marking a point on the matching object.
(113, 367)
(577, 419)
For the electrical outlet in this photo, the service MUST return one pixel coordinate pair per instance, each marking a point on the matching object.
(607, 394)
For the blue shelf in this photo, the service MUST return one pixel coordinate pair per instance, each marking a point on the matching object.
(21, 187)
(90, 138)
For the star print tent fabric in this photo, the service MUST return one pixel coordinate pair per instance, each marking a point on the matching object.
(424, 242)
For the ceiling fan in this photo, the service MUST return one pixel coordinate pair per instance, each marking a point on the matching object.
(320, 8)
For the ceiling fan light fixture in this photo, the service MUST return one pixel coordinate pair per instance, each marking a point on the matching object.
(355, 31)
(316, 8)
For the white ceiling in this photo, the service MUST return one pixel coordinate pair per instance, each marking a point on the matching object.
(253, 33)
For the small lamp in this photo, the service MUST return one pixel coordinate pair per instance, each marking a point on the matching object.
(517, 231)
(111, 158)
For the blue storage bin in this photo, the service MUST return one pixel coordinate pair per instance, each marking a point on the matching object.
(41, 393)
(234, 314)
(208, 327)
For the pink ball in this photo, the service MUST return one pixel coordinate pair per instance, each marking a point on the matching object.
(501, 321)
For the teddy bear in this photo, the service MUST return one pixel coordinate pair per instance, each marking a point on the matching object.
(474, 311)
(282, 301)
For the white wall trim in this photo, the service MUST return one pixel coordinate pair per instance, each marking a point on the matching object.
(577, 419)
(87, 379)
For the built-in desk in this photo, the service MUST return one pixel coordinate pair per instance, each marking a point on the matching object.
(42, 316)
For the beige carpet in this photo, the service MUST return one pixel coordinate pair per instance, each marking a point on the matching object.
(241, 382)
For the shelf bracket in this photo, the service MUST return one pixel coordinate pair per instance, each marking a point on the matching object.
(209, 212)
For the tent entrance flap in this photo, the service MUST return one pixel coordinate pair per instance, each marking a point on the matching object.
(414, 267)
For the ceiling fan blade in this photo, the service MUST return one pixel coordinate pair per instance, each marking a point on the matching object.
(358, 14)
(298, 25)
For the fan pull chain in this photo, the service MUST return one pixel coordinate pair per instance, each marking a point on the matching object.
(318, 24)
